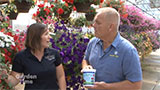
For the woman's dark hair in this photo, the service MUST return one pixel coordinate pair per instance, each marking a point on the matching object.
(33, 38)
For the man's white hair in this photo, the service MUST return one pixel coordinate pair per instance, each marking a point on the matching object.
(114, 16)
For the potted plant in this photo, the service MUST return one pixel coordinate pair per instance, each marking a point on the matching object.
(43, 12)
(4, 1)
(97, 2)
(23, 5)
(10, 10)
(90, 14)
(62, 10)
(83, 5)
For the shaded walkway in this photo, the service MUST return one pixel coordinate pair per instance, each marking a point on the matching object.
(151, 71)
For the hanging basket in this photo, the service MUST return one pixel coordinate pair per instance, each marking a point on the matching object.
(4, 1)
(65, 16)
(89, 17)
(12, 15)
(82, 7)
(23, 6)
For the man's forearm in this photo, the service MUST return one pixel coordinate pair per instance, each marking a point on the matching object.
(125, 85)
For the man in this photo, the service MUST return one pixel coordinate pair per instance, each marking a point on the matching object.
(115, 59)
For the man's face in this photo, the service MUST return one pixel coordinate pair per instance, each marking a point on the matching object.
(101, 26)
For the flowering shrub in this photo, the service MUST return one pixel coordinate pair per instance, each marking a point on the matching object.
(155, 39)
(96, 2)
(90, 14)
(10, 44)
(43, 11)
(79, 22)
(141, 41)
(142, 30)
(62, 9)
(138, 20)
(91, 11)
(118, 5)
(9, 8)
(5, 42)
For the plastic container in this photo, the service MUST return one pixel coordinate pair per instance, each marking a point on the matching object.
(89, 77)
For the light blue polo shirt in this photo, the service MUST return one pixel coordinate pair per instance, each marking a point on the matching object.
(120, 61)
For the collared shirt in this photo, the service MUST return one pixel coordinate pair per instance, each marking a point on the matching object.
(38, 75)
(120, 61)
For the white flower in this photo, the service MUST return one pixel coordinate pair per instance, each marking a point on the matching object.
(7, 44)
(2, 44)
(6, 39)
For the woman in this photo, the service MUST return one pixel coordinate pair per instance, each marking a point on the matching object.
(40, 65)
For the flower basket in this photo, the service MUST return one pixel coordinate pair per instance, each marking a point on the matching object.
(65, 16)
(89, 17)
(12, 15)
(82, 7)
(90, 14)
(4, 1)
(23, 6)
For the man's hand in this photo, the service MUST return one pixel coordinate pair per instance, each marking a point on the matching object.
(98, 85)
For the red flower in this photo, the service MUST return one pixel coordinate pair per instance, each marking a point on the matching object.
(125, 15)
(60, 11)
(45, 1)
(66, 4)
(55, 1)
(41, 5)
(47, 11)
(52, 5)
(69, 1)
(38, 12)
(34, 14)
(101, 1)
(121, 2)
(74, 8)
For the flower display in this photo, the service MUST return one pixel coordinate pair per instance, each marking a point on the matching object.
(141, 40)
(72, 47)
(84, 1)
(138, 20)
(137, 24)
(9, 8)
(10, 43)
(118, 5)
(83, 5)
(155, 39)
(61, 9)
(71, 44)
(23, 5)
(43, 11)
(90, 13)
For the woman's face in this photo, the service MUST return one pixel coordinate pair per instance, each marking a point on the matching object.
(45, 39)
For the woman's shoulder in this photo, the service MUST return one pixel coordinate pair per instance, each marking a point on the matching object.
(21, 53)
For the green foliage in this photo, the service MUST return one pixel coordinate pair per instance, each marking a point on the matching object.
(9, 8)
(80, 21)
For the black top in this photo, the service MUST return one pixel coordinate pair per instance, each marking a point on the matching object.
(38, 75)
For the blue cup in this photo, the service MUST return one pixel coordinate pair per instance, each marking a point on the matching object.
(89, 77)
